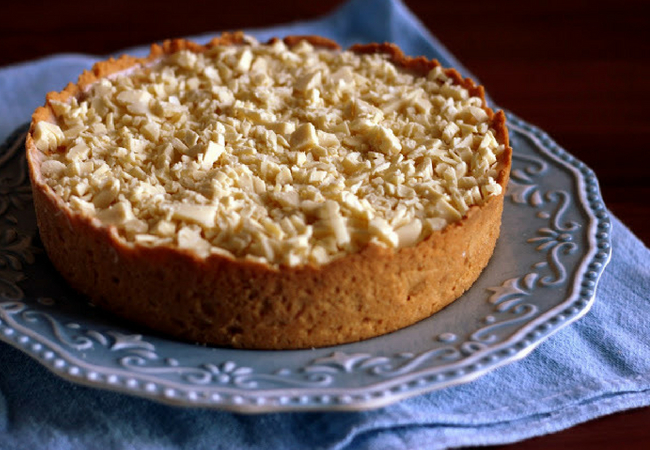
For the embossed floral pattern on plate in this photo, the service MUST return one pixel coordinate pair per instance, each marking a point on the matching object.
(554, 245)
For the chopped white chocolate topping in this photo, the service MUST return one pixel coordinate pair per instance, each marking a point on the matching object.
(48, 136)
(287, 156)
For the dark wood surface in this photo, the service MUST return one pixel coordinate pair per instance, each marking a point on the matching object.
(577, 69)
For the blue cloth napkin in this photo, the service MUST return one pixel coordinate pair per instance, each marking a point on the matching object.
(596, 366)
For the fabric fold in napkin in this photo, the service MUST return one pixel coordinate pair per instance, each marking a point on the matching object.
(596, 366)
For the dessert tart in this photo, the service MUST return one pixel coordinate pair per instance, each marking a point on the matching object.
(272, 196)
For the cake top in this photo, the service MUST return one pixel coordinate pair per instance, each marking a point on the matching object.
(282, 154)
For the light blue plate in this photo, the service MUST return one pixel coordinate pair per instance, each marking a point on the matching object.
(554, 245)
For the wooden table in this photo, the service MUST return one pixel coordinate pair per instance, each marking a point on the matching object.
(577, 69)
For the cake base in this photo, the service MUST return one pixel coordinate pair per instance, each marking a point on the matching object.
(236, 302)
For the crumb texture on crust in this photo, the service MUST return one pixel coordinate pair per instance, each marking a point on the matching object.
(285, 195)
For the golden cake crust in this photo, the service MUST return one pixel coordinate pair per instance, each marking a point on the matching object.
(245, 304)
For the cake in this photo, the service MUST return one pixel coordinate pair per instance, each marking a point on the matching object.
(282, 195)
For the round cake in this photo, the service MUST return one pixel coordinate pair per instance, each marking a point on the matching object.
(281, 195)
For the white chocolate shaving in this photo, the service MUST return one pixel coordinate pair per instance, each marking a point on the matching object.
(281, 155)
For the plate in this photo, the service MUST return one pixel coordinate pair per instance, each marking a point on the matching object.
(554, 245)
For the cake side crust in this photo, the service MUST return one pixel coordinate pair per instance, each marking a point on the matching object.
(239, 303)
